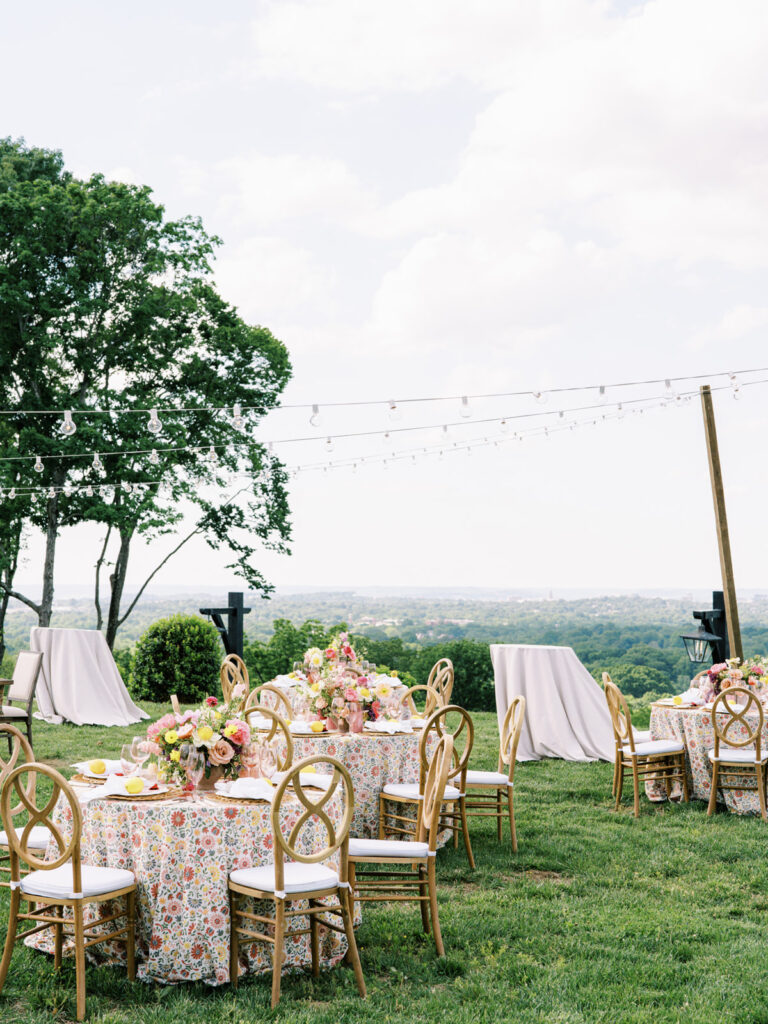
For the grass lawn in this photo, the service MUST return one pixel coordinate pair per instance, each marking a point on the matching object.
(599, 917)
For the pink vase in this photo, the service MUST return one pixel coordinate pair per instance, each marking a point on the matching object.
(331, 725)
(356, 719)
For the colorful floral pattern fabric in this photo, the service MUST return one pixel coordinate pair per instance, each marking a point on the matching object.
(693, 727)
(181, 855)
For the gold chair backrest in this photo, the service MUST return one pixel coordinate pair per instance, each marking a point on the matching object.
(464, 732)
(434, 789)
(278, 701)
(510, 734)
(620, 716)
(441, 679)
(278, 725)
(433, 699)
(19, 782)
(737, 716)
(232, 672)
(21, 752)
(313, 815)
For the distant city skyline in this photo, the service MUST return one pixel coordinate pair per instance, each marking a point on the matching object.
(522, 197)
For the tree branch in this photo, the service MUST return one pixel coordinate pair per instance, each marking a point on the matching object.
(154, 572)
(99, 563)
(20, 597)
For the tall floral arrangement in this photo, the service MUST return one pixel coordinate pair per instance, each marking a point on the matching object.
(335, 684)
(215, 728)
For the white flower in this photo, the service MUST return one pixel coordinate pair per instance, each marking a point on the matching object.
(207, 741)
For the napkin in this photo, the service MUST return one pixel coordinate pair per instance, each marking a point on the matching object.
(390, 727)
(260, 721)
(315, 780)
(115, 786)
(283, 683)
(111, 767)
(247, 789)
(303, 729)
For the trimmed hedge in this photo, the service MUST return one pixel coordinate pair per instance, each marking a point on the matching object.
(182, 655)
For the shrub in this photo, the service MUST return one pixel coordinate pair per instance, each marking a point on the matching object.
(180, 655)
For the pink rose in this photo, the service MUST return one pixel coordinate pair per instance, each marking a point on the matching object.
(154, 730)
(321, 703)
(166, 722)
(351, 694)
(241, 735)
(211, 701)
(330, 654)
(221, 753)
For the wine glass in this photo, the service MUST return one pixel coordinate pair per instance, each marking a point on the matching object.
(195, 766)
(127, 763)
(300, 708)
(298, 668)
(268, 760)
(139, 752)
(251, 758)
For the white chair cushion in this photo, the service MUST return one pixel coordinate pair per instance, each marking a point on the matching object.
(641, 735)
(298, 877)
(451, 793)
(481, 778)
(36, 840)
(57, 883)
(741, 755)
(656, 747)
(402, 789)
(11, 712)
(384, 848)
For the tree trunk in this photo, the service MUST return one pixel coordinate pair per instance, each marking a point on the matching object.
(97, 585)
(117, 582)
(4, 599)
(51, 534)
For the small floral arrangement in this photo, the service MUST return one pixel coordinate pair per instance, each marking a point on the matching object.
(218, 729)
(336, 688)
(751, 674)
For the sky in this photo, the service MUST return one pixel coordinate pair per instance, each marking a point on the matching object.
(431, 199)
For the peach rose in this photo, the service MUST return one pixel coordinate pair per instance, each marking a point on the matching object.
(221, 753)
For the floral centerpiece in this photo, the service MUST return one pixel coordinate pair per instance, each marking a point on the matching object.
(338, 690)
(751, 674)
(216, 729)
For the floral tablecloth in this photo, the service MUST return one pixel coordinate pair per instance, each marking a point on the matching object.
(693, 727)
(181, 854)
(373, 760)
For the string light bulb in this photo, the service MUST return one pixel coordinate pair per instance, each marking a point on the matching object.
(212, 457)
(237, 416)
(97, 464)
(154, 426)
(601, 394)
(540, 396)
(504, 427)
(38, 466)
(67, 427)
(735, 386)
(127, 487)
(314, 419)
(154, 458)
(394, 411)
(329, 445)
(89, 491)
(51, 492)
(12, 492)
(465, 411)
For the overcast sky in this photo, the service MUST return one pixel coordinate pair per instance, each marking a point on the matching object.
(431, 198)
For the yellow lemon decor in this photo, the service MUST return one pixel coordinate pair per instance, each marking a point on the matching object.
(310, 770)
(316, 726)
(97, 767)
(134, 786)
(677, 700)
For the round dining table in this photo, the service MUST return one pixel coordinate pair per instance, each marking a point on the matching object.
(692, 726)
(181, 853)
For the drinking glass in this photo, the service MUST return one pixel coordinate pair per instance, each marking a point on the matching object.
(139, 752)
(195, 767)
(268, 760)
(251, 758)
(127, 764)
(300, 708)
(298, 668)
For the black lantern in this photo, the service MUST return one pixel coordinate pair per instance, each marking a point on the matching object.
(710, 642)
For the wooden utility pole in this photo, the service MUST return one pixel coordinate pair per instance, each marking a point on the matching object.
(721, 521)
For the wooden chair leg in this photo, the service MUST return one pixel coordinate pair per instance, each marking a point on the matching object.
(615, 783)
(352, 952)
(77, 911)
(761, 792)
(234, 945)
(314, 940)
(130, 938)
(382, 816)
(424, 894)
(684, 774)
(277, 952)
(511, 806)
(619, 787)
(465, 830)
(452, 810)
(58, 941)
(636, 787)
(713, 794)
(10, 941)
(432, 878)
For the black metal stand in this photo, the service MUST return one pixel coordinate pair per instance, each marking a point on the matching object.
(232, 633)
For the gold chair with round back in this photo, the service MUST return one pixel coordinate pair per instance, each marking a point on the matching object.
(737, 721)
(486, 790)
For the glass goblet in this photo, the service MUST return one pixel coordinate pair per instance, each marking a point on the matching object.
(139, 752)
(195, 767)
(127, 764)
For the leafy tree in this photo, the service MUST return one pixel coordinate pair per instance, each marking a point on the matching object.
(104, 305)
(180, 655)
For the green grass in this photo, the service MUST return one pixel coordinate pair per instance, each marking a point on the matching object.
(598, 918)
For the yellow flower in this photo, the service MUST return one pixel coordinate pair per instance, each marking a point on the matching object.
(314, 686)
(204, 732)
(230, 730)
(364, 692)
(171, 736)
(394, 673)
(175, 755)
(217, 715)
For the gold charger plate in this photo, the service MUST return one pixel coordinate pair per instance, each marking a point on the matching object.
(87, 780)
(168, 794)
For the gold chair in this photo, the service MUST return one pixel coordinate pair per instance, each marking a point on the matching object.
(63, 883)
(663, 760)
(233, 671)
(641, 736)
(278, 725)
(304, 878)
(441, 679)
(399, 793)
(22, 690)
(278, 700)
(400, 885)
(493, 786)
(21, 752)
(433, 699)
(735, 759)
